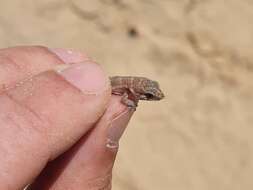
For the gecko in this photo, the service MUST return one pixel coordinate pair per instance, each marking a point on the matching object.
(132, 89)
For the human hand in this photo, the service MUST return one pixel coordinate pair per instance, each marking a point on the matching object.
(59, 124)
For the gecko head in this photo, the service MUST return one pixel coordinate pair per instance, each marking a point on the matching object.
(152, 91)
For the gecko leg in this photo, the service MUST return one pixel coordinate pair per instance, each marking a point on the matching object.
(130, 99)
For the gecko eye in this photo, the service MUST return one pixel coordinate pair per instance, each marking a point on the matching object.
(149, 96)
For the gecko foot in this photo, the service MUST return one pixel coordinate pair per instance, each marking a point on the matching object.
(126, 100)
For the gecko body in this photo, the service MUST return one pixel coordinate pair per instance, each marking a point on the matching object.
(132, 89)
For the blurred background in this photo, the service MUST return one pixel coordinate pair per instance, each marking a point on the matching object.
(200, 136)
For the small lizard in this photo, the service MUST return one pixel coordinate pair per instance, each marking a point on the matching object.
(134, 89)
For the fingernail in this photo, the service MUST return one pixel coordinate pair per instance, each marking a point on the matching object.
(69, 55)
(88, 77)
(117, 128)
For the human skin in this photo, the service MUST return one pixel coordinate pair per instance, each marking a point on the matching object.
(59, 124)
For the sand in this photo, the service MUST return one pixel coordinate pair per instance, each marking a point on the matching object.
(200, 136)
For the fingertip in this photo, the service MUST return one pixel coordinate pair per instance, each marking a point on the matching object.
(88, 77)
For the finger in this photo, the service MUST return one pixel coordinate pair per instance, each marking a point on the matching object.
(44, 116)
(20, 63)
(88, 165)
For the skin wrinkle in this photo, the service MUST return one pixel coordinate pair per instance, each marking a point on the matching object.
(11, 60)
(20, 63)
(7, 64)
(14, 124)
(15, 64)
(102, 182)
(35, 122)
(19, 103)
(7, 59)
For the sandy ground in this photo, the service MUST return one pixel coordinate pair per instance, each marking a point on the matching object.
(200, 136)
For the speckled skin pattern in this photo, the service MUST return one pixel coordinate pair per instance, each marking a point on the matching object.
(134, 89)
